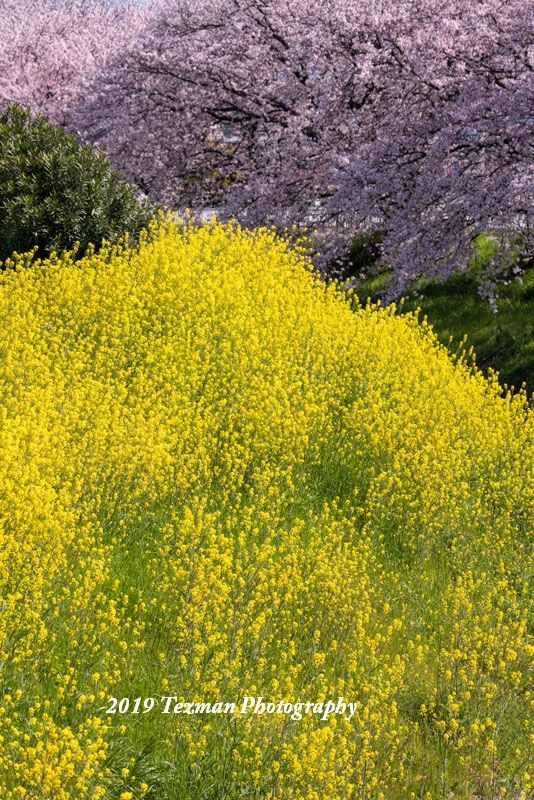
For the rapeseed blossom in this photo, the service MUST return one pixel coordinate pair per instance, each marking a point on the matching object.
(222, 478)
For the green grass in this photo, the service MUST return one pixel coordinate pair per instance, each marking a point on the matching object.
(502, 339)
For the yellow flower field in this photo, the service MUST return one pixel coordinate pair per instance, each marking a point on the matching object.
(219, 479)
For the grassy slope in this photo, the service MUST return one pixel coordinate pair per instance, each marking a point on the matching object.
(502, 340)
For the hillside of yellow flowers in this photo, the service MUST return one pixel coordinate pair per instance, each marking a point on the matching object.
(228, 491)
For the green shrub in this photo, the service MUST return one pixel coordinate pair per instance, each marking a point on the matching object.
(55, 192)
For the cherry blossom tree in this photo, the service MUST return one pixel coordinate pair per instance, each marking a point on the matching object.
(52, 48)
(413, 117)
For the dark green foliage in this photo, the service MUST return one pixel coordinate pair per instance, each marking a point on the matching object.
(363, 255)
(54, 192)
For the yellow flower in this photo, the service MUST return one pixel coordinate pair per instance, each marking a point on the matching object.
(220, 479)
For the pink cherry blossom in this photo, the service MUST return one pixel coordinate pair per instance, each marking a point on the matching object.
(413, 117)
